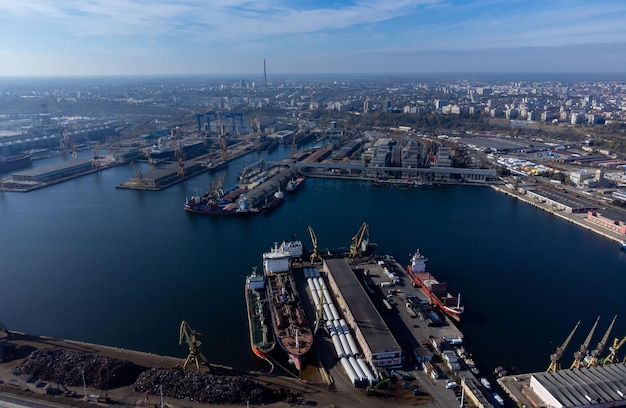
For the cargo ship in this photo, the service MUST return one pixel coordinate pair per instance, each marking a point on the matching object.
(437, 292)
(289, 323)
(261, 338)
(18, 161)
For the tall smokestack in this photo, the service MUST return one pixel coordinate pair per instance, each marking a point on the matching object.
(264, 74)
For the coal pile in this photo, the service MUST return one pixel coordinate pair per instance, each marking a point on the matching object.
(66, 367)
(10, 351)
(205, 387)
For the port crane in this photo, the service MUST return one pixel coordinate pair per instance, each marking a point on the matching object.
(555, 359)
(191, 337)
(315, 255)
(138, 175)
(359, 241)
(612, 357)
(595, 354)
(582, 351)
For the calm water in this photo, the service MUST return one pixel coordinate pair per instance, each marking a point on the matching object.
(84, 261)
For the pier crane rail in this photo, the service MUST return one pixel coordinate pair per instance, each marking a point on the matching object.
(191, 337)
(555, 358)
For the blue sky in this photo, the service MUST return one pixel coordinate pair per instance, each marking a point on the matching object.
(136, 37)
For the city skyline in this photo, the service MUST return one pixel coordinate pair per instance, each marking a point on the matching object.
(131, 37)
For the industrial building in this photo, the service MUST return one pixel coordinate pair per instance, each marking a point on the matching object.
(598, 387)
(54, 172)
(379, 346)
(561, 201)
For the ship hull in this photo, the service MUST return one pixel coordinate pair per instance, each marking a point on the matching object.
(261, 338)
(15, 162)
(289, 323)
(453, 312)
(209, 210)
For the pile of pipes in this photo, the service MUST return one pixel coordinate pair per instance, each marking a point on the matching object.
(204, 387)
(72, 368)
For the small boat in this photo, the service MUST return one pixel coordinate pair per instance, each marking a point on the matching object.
(623, 245)
(485, 383)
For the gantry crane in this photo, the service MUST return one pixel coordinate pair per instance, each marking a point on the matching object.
(191, 337)
(612, 357)
(315, 255)
(359, 241)
(582, 351)
(595, 354)
(555, 359)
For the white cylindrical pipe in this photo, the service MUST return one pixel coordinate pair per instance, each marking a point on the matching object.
(344, 343)
(354, 349)
(349, 370)
(366, 370)
(338, 347)
(334, 311)
(357, 369)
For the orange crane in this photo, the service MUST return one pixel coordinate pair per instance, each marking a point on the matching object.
(582, 351)
(595, 354)
(555, 358)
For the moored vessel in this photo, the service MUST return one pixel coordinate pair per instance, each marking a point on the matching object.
(15, 162)
(261, 337)
(289, 323)
(294, 185)
(436, 291)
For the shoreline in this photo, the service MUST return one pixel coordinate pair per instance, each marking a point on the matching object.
(581, 220)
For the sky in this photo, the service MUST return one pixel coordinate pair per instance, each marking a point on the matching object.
(170, 37)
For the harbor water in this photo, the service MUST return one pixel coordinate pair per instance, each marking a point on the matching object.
(82, 260)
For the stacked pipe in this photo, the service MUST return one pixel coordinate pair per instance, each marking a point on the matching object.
(345, 346)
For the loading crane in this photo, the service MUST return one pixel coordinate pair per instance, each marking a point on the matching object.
(315, 255)
(191, 337)
(595, 354)
(555, 359)
(138, 175)
(582, 351)
(95, 161)
(612, 357)
(223, 148)
(181, 164)
(359, 241)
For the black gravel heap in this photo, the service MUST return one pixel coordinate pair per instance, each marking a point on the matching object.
(10, 351)
(66, 367)
(204, 387)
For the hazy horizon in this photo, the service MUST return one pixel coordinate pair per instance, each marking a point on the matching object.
(232, 37)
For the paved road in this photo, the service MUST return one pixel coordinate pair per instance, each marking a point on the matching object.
(12, 401)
